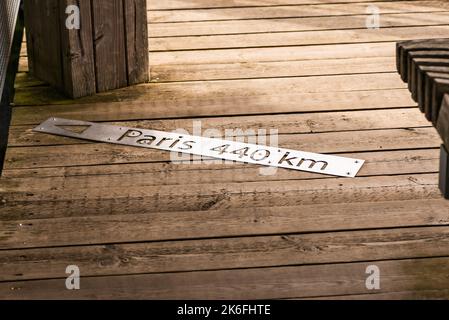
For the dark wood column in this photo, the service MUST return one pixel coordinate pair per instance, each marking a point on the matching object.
(109, 50)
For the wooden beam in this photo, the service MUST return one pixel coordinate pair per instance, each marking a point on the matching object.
(77, 52)
(109, 44)
(413, 72)
(444, 172)
(108, 51)
(443, 121)
(43, 29)
(100, 259)
(136, 33)
(403, 48)
(254, 283)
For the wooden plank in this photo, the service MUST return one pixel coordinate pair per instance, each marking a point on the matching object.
(426, 74)
(269, 69)
(136, 34)
(318, 10)
(203, 197)
(411, 294)
(414, 71)
(440, 88)
(426, 81)
(78, 53)
(233, 56)
(405, 47)
(284, 282)
(153, 174)
(201, 106)
(109, 45)
(23, 49)
(429, 83)
(378, 163)
(297, 38)
(424, 57)
(24, 80)
(203, 4)
(159, 226)
(46, 55)
(338, 142)
(24, 66)
(443, 121)
(293, 24)
(444, 170)
(250, 125)
(273, 54)
(416, 59)
(227, 253)
(251, 70)
(212, 90)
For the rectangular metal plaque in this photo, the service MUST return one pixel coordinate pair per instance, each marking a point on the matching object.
(208, 147)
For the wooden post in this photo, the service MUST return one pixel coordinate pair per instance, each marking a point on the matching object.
(136, 32)
(77, 52)
(108, 51)
(444, 172)
(442, 126)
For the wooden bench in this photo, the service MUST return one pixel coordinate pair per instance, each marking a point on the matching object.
(424, 65)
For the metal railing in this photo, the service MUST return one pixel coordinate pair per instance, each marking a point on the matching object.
(11, 34)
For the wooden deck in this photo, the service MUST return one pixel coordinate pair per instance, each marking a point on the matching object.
(139, 226)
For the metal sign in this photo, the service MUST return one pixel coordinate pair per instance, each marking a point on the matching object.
(208, 147)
